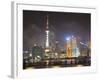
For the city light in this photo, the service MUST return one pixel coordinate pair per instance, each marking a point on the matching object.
(47, 50)
(83, 44)
(30, 55)
(45, 47)
(68, 38)
(72, 36)
(47, 38)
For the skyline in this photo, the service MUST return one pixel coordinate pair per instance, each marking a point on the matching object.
(61, 25)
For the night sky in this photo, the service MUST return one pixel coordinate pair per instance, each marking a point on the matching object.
(61, 25)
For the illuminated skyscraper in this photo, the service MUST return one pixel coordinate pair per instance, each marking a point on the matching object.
(72, 49)
(69, 48)
(75, 49)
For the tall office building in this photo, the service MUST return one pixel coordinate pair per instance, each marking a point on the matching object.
(37, 53)
(72, 48)
(75, 49)
(69, 48)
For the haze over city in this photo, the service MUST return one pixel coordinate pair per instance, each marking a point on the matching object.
(56, 39)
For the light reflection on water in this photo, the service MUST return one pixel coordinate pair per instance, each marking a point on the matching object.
(55, 67)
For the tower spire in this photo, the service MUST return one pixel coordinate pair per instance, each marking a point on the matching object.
(47, 23)
(47, 32)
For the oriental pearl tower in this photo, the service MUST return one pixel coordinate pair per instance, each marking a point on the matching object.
(47, 35)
